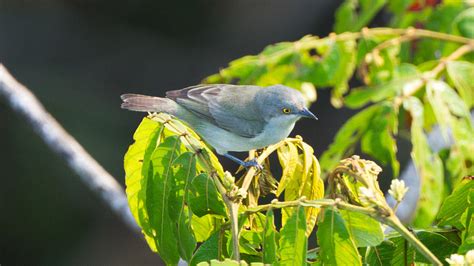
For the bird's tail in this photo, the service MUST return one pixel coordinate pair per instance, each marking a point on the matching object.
(143, 103)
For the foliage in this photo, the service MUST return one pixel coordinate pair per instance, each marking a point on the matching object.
(411, 81)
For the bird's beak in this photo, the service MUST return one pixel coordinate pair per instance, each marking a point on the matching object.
(307, 113)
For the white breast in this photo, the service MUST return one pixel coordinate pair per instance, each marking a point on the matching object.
(224, 141)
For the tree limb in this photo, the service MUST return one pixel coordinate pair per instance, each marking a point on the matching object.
(55, 136)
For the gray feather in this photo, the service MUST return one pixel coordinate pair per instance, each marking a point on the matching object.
(227, 106)
(143, 103)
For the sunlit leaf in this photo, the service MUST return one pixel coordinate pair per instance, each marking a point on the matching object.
(269, 247)
(288, 156)
(313, 189)
(138, 155)
(460, 74)
(405, 77)
(365, 230)
(203, 226)
(354, 15)
(428, 165)
(334, 239)
(465, 22)
(293, 241)
(446, 104)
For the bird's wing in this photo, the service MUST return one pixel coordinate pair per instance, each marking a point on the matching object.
(228, 106)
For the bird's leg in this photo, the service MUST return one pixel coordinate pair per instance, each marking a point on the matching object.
(248, 164)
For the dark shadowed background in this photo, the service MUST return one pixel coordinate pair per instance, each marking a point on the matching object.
(78, 56)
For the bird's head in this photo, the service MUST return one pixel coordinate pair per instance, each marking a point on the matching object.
(281, 101)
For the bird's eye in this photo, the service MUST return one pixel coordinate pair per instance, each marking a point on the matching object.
(286, 110)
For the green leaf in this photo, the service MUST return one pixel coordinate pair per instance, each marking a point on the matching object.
(446, 105)
(428, 165)
(179, 211)
(376, 126)
(293, 241)
(378, 141)
(395, 250)
(365, 230)
(334, 238)
(203, 227)
(467, 220)
(405, 78)
(270, 249)
(460, 74)
(161, 178)
(347, 137)
(138, 153)
(354, 15)
(465, 23)
(208, 251)
(204, 198)
(381, 255)
(455, 204)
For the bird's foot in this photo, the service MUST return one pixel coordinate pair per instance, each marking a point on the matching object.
(253, 163)
(247, 164)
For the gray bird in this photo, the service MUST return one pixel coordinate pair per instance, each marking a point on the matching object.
(230, 117)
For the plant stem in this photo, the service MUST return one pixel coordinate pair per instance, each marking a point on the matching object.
(234, 223)
(312, 42)
(395, 223)
(439, 68)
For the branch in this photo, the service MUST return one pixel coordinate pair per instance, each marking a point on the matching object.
(55, 136)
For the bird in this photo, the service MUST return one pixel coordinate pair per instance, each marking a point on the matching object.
(231, 118)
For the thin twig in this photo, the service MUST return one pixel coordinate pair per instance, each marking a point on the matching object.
(55, 136)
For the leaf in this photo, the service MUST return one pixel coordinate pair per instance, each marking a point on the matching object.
(313, 189)
(467, 221)
(365, 230)
(347, 137)
(405, 78)
(380, 255)
(288, 156)
(158, 198)
(145, 138)
(209, 250)
(203, 227)
(293, 241)
(378, 141)
(354, 15)
(446, 104)
(455, 204)
(204, 198)
(428, 165)
(334, 239)
(302, 180)
(460, 74)
(465, 23)
(186, 170)
(395, 250)
(269, 247)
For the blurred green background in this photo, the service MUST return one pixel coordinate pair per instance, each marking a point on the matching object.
(77, 57)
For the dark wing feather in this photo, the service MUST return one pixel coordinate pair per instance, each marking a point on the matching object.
(228, 106)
